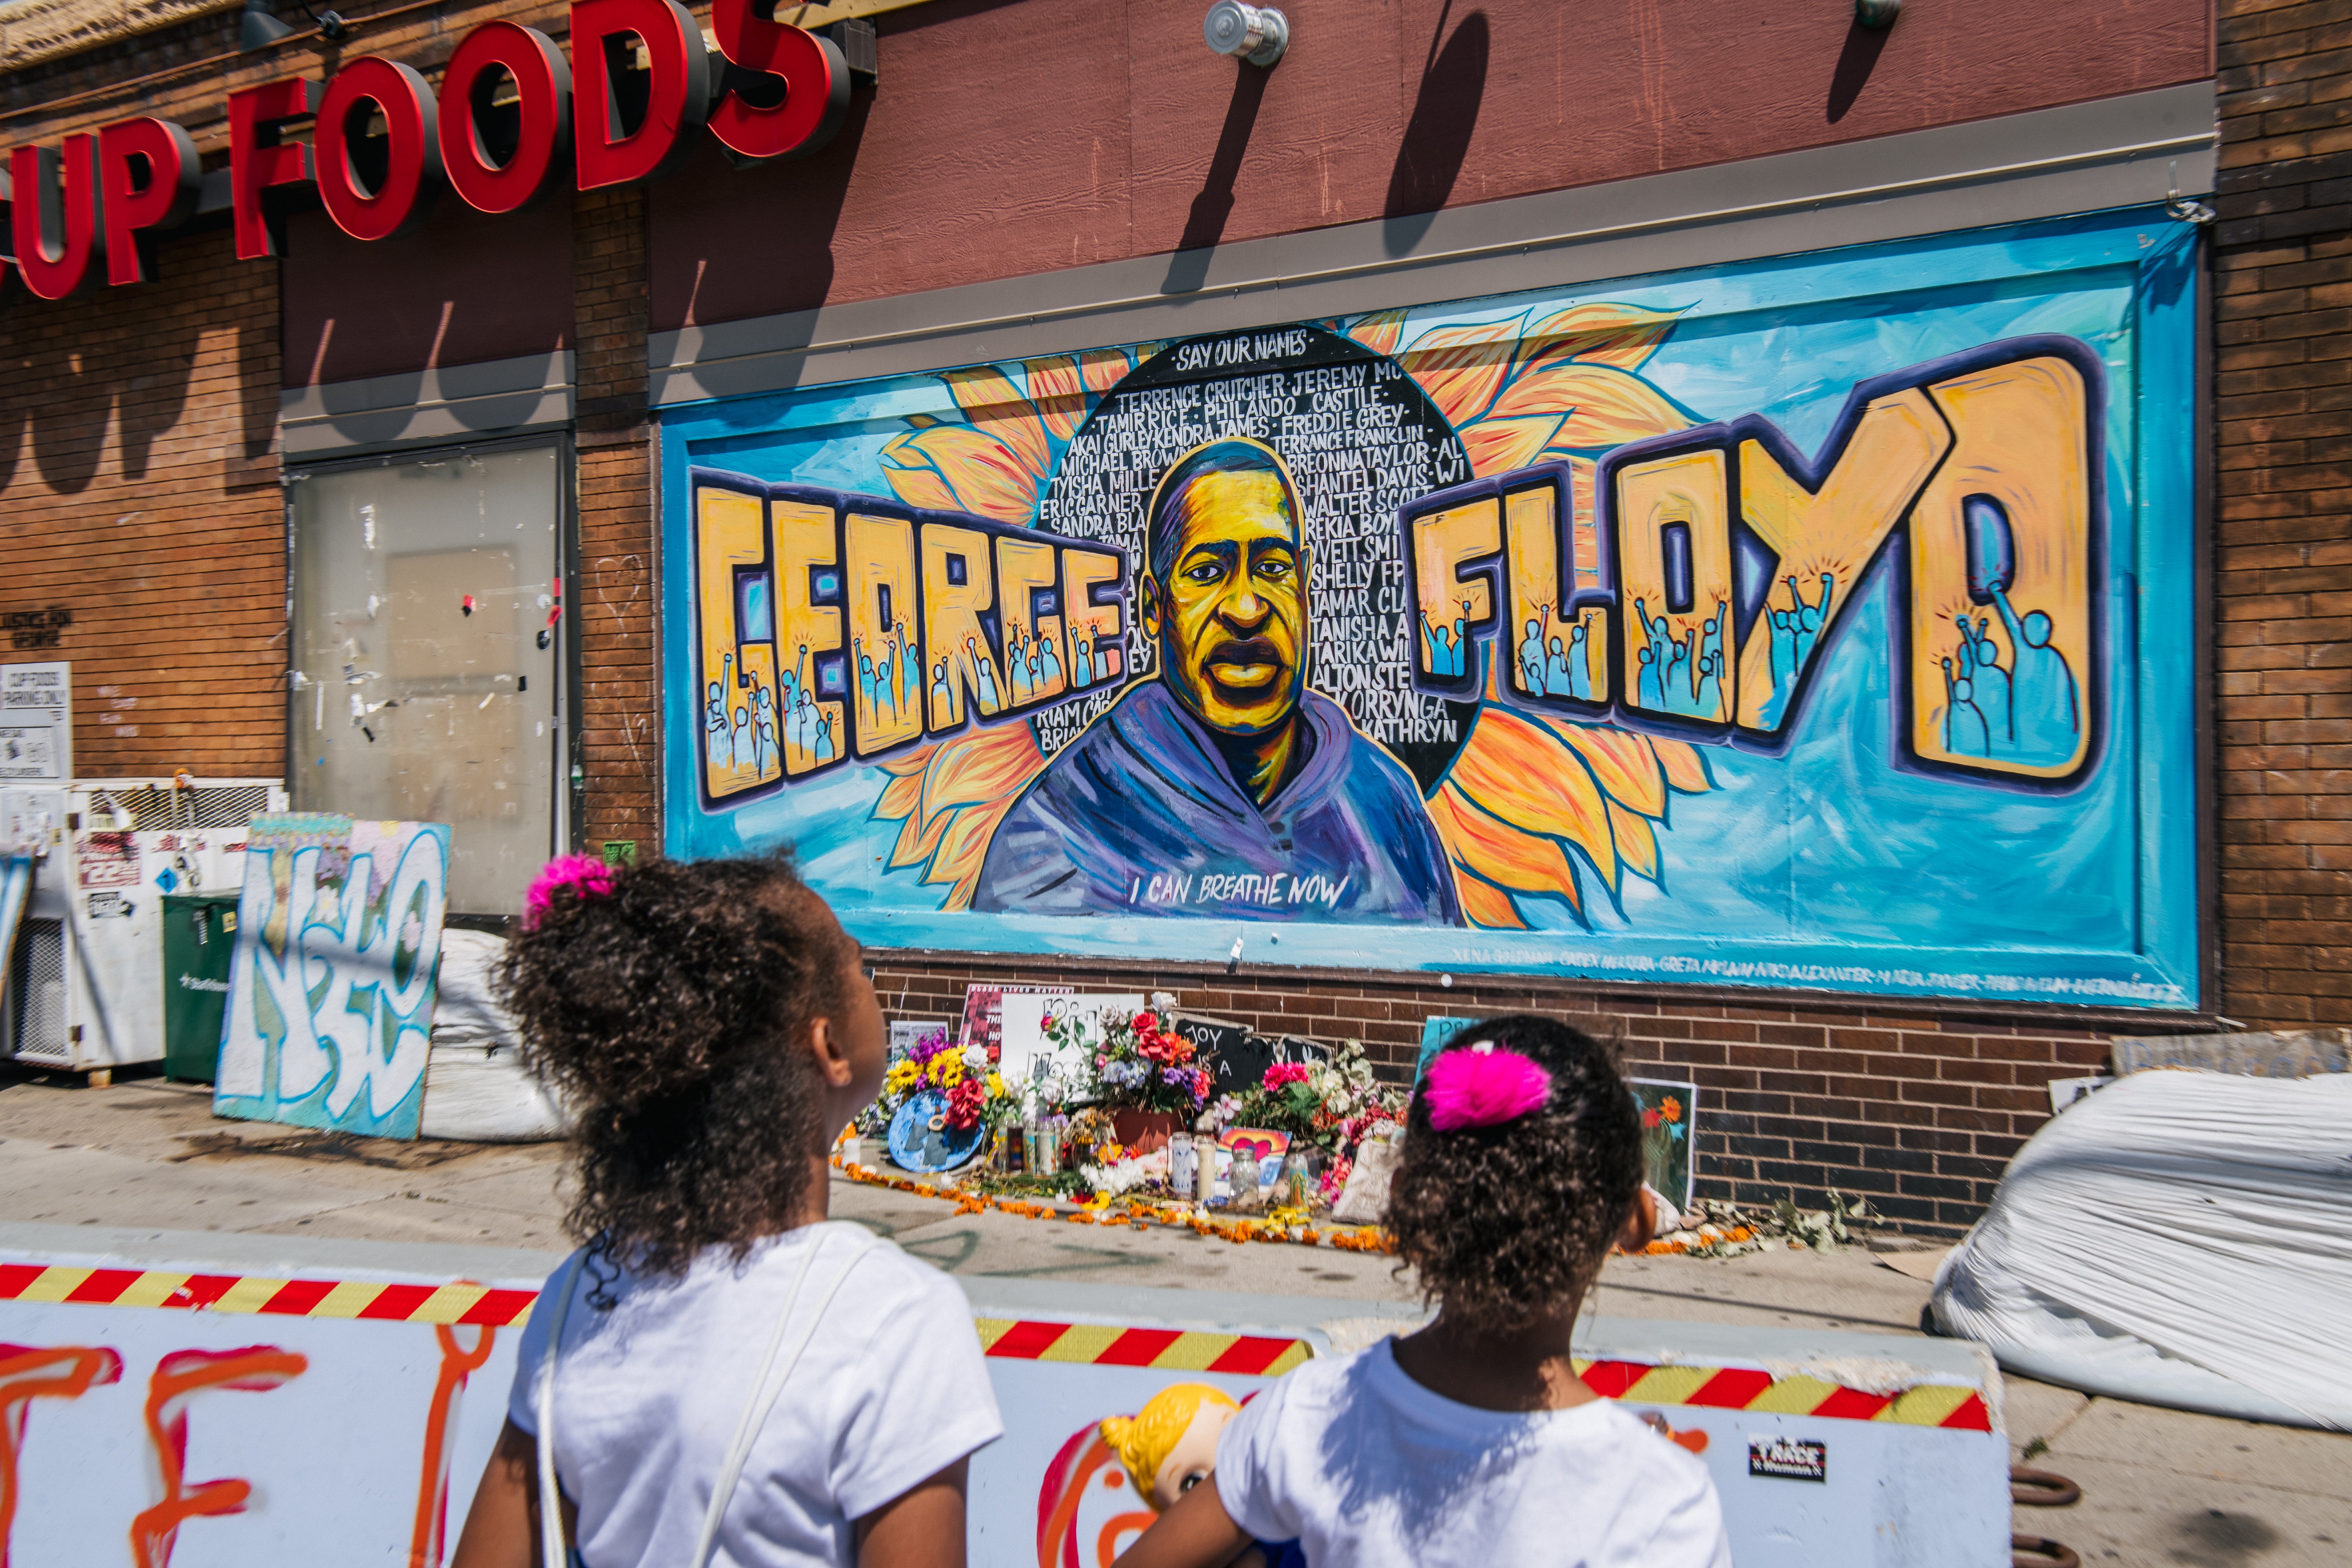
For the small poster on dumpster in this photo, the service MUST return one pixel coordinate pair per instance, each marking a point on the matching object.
(332, 984)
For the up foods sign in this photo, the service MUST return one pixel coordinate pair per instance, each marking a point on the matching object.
(83, 209)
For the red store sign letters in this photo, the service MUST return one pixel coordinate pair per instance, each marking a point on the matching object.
(85, 206)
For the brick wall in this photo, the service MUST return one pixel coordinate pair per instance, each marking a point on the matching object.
(619, 718)
(2283, 402)
(139, 494)
(1918, 1109)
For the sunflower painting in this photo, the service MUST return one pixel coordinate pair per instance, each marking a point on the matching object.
(1666, 630)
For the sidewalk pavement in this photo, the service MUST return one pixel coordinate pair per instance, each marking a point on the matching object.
(2159, 1487)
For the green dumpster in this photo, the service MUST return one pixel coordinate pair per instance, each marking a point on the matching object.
(199, 934)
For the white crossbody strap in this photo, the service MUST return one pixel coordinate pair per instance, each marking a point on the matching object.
(550, 1513)
(764, 1395)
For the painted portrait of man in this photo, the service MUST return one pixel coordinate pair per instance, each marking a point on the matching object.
(1222, 784)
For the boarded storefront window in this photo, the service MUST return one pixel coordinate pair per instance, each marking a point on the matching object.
(426, 656)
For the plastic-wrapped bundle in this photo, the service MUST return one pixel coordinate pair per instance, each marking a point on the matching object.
(2179, 1239)
(476, 1088)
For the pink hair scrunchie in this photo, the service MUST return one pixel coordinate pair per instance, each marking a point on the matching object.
(1484, 1085)
(587, 876)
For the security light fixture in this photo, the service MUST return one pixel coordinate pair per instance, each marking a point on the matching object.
(1877, 15)
(259, 27)
(1258, 33)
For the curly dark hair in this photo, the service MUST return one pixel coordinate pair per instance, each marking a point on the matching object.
(1504, 1222)
(665, 1011)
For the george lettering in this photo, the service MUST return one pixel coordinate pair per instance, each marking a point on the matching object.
(833, 628)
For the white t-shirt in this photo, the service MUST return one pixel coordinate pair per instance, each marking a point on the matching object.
(891, 1390)
(1364, 1467)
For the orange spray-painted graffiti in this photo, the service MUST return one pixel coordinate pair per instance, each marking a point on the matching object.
(27, 1373)
(429, 1537)
(179, 1377)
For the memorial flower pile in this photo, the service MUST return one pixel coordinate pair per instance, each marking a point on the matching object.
(1329, 1104)
(975, 1092)
(1139, 1063)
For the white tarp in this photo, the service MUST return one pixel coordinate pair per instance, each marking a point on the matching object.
(2180, 1238)
(475, 1086)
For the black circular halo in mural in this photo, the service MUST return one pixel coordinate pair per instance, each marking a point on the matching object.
(1360, 438)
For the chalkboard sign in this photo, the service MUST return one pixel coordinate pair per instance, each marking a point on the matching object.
(1237, 1055)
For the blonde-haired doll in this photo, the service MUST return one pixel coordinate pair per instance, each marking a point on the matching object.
(1169, 1446)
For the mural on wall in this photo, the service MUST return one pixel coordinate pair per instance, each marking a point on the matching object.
(1793, 623)
(336, 971)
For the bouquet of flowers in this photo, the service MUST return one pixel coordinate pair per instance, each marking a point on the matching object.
(1138, 1064)
(1329, 1104)
(975, 1092)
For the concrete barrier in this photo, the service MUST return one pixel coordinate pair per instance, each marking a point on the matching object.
(191, 1399)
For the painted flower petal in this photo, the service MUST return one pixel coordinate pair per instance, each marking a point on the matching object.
(1520, 771)
(1102, 369)
(990, 400)
(1462, 368)
(1379, 331)
(918, 840)
(1484, 904)
(1491, 849)
(1624, 764)
(1637, 841)
(1609, 334)
(963, 850)
(1605, 406)
(1685, 769)
(981, 474)
(1059, 396)
(985, 765)
(914, 478)
(901, 796)
(1498, 446)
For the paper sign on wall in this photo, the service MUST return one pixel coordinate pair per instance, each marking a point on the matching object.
(37, 723)
(332, 985)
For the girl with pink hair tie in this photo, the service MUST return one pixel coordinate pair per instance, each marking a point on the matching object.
(1473, 1442)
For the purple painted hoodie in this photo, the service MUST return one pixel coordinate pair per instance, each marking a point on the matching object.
(1140, 815)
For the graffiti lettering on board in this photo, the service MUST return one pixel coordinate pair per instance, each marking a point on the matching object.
(333, 983)
(28, 1372)
(179, 1377)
